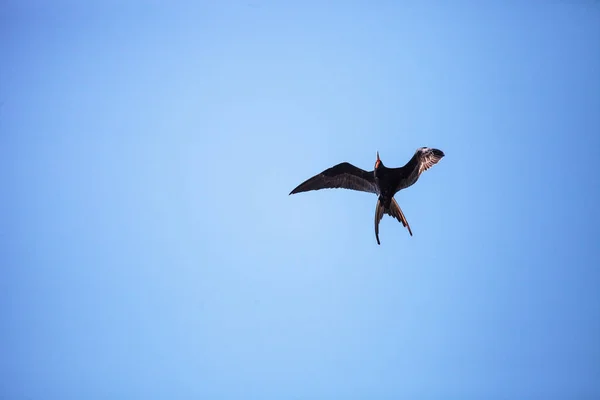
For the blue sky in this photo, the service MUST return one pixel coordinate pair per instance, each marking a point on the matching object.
(150, 248)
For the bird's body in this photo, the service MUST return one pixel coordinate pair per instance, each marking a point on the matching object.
(382, 181)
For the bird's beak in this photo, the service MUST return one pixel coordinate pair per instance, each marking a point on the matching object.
(378, 161)
(378, 156)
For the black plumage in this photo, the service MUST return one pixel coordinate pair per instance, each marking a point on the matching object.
(382, 181)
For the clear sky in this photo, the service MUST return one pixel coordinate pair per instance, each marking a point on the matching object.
(149, 248)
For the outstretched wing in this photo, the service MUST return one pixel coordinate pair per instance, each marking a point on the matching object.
(395, 211)
(428, 158)
(423, 159)
(344, 176)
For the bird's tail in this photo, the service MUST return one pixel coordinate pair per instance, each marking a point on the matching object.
(379, 211)
(394, 211)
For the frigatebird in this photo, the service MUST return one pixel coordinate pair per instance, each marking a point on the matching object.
(383, 181)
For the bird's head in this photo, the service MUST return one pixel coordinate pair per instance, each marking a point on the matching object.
(378, 161)
(378, 164)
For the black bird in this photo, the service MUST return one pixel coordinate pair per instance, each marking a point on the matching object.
(383, 181)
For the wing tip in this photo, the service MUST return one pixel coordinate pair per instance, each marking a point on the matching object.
(438, 153)
(297, 189)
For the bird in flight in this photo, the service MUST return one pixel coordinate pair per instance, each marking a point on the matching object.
(383, 181)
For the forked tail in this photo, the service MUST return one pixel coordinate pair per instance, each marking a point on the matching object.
(394, 211)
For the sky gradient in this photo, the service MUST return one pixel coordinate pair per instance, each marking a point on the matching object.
(150, 249)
